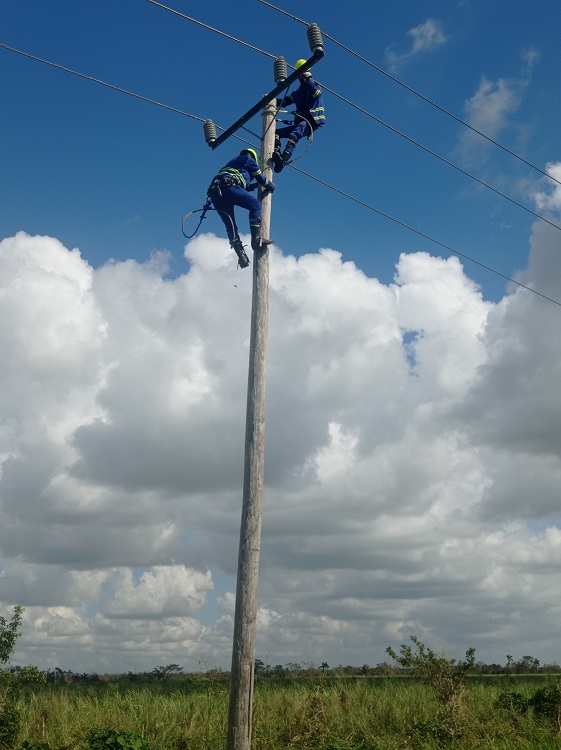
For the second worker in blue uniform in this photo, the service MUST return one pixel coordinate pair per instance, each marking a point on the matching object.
(309, 116)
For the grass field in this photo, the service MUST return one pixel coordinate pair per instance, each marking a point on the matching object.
(380, 713)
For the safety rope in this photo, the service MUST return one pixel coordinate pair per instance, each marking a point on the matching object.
(310, 137)
(203, 212)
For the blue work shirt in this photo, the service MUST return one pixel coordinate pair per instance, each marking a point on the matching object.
(309, 103)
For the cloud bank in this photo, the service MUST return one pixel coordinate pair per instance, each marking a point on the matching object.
(413, 457)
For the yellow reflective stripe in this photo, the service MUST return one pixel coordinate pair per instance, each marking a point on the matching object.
(254, 174)
(237, 175)
(232, 171)
(317, 93)
(317, 113)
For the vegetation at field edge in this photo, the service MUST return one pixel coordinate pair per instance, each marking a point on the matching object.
(430, 702)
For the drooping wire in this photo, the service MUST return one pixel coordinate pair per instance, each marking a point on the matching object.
(203, 211)
(416, 93)
(381, 122)
(317, 179)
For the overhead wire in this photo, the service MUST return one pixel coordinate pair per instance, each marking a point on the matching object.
(442, 158)
(416, 93)
(111, 86)
(97, 80)
(210, 28)
(426, 236)
(373, 117)
(316, 179)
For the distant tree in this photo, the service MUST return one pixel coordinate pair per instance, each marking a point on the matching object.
(59, 675)
(324, 666)
(527, 664)
(164, 673)
(293, 667)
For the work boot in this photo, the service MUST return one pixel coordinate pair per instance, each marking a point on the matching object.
(257, 243)
(238, 248)
(276, 156)
(287, 153)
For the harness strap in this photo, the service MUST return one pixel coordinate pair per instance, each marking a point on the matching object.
(221, 181)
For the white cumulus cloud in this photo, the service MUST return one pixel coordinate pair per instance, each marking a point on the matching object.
(412, 457)
(427, 37)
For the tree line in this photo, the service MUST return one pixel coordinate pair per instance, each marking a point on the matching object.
(523, 665)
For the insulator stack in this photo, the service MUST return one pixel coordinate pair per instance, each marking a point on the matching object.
(209, 129)
(314, 38)
(280, 70)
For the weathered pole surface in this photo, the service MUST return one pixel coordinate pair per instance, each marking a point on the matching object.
(243, 650)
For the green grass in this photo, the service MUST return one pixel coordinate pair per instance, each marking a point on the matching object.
(324, 714)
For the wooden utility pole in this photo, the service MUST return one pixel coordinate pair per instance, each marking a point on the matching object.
(243, 653)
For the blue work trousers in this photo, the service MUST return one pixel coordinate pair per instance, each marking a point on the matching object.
(226, 199)
(297, 130)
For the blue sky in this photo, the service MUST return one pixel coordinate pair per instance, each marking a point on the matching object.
(114, 176)
(413, 408)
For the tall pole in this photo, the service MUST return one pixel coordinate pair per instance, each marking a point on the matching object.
(243, 652)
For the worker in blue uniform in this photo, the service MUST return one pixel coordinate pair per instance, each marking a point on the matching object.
(232, 187)
(309, 116)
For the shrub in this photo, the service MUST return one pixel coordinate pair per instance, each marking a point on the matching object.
(10, 722)
(436, 731)
(546, 703)
(512, 701)
(109, 739)
(446, 676)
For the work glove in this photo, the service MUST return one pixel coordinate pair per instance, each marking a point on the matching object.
(270, 186)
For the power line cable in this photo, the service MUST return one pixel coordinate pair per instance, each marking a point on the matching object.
(413, 91)
(97, 80)
(317, 179)
(114, 88)
(442, 158)
(373, 117)
(426, 236)
(210, 28)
